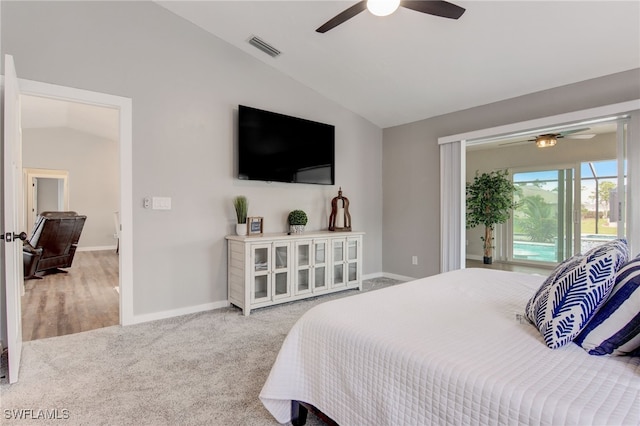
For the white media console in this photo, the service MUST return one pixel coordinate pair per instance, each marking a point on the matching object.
(275, 268)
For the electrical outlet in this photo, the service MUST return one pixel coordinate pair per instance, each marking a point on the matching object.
(414, 260)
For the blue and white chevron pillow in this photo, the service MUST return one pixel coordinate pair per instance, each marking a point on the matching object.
(574, 292)
(615, 328)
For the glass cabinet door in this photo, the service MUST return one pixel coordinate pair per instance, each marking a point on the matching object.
(260, 261)
(338, 263)
(281, 278)
(303, 266)
(320, 261)
(353, 256)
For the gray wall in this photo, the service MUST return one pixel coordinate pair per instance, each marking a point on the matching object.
(92, 163)
(411, 162)
(185, 86)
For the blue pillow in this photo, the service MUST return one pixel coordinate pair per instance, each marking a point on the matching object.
(574, 291)
(615, 328)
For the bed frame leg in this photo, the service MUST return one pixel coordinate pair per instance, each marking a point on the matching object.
(298, 413)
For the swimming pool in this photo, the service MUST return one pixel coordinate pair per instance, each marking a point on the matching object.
(547, 252)
(541, 252)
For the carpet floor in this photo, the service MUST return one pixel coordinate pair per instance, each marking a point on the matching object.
(200, 369)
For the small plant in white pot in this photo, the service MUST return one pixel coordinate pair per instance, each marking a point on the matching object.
(241, 205)
(297, 221)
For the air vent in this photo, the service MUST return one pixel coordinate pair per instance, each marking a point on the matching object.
(264, 46)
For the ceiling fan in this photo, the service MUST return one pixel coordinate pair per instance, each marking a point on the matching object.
(550, 139)
(387, 7)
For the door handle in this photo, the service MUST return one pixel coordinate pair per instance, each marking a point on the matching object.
(10, 236)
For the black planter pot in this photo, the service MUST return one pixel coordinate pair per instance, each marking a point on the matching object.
(487, 260)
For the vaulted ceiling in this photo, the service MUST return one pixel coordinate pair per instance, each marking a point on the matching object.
(407, 66)
(38, 112)
(410, 66)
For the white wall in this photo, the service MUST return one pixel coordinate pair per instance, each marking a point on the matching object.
(185, 87)
(48, 195)
(411, 162)
(92, 163)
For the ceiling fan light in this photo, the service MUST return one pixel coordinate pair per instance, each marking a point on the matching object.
(545, 141)
(382, 7)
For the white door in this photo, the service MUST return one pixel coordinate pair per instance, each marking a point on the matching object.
(12, 216)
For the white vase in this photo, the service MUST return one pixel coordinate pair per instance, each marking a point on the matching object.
(241, 229)
(296, 229)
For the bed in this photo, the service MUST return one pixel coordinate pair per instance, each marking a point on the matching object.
(450, 349)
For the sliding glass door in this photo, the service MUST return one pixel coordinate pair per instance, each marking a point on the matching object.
(602, 215)
(566, 211)
(543, 225)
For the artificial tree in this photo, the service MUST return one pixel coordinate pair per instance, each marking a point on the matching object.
(489, 201)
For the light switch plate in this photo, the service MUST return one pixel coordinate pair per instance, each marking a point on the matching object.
(161, 203)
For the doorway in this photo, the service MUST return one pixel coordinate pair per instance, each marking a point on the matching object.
(45, 190)
(70, 145)
(123, 106)
(453, 150)
(13, 204)
(557, 200)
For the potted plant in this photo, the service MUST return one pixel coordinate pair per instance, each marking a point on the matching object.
(241, 205)
(297, 221)
(489, 201)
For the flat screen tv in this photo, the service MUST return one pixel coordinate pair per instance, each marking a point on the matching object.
(274, 147)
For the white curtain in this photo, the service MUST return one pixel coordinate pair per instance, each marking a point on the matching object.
(633, 183)
(452, 158)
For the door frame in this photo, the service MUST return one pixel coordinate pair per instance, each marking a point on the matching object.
(125, 118)
(63, 187)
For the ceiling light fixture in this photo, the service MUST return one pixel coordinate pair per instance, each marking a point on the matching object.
(544, 141)
(382, 7)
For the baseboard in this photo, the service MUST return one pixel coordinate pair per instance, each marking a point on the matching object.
(399, 277)
(372, 276)
(387, 275)
(96, 248)
(138, 319)
(474, 257)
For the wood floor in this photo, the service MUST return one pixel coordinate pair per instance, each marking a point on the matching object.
(85, 298)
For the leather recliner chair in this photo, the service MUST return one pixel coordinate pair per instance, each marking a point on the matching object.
(53, 243)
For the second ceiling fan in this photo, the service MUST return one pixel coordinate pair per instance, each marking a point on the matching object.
(550, 139)
(386, 7)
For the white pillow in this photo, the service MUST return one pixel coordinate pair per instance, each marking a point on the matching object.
(574, 292)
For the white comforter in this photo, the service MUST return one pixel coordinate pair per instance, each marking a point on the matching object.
(447, 349)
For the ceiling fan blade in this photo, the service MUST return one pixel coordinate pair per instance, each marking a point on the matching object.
(516, 143)
(582, 136)
(343, 16)
(437, 8)
(568, 132)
